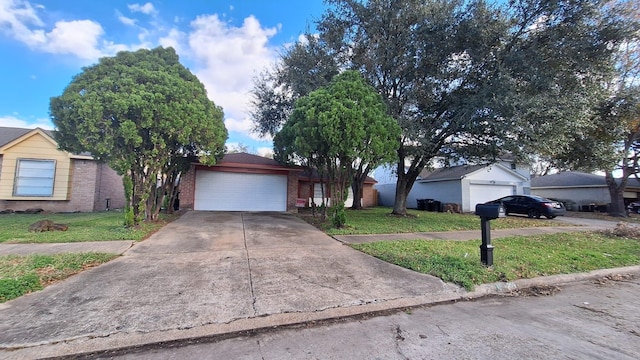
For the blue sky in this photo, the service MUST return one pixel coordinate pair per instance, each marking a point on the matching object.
(225, 43)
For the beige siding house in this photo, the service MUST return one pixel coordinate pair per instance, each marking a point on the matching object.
(35, 174)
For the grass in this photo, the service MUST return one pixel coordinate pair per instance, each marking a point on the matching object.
(98, 226)
(21, 275)
(380, 221)
(514, 258)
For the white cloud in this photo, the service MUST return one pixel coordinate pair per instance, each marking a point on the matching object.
(80, 38)
(226, 60)
(12, 121)
(127, 21)
(147, 8)
(242, 126)
(175, 39)
(265, 151)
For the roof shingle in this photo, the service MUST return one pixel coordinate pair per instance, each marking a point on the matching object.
(8, 134)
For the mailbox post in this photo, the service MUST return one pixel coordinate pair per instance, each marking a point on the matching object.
(488, 212)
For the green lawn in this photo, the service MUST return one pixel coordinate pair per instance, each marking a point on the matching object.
(20, 275)
(98, 226)
(380, 221)
(514, 258)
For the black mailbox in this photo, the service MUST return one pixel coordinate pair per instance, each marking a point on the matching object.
(490, 211)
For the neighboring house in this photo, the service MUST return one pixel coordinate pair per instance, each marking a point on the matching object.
(35, 174)
(246, 182)
(466, 185)
(578, 189)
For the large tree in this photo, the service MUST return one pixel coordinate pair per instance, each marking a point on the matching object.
(144, 114)
(304, 67)
(342, 129)
(468, 80)
(609, 140)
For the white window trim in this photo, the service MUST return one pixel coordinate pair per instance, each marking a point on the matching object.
(17, 178)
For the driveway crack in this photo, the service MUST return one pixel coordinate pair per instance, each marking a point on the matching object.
(246, 250)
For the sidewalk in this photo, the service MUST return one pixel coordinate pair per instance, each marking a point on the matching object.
(111, 247)
(578, 224)
(461, 235)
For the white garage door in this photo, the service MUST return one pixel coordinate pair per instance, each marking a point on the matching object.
(480, 194)
(224, 191)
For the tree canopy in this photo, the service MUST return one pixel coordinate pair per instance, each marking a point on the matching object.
(306, 66)
(144, 114)
(469, 80)
(341, 130)
(610, 141)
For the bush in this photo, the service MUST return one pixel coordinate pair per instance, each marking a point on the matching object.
(339, 218)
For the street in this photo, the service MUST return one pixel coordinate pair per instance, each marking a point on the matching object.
(589, 320)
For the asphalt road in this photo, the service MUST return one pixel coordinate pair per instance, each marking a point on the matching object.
(589, 320)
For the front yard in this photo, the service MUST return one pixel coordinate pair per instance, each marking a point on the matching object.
(516, 257)
(380, 221)
(98, 226)
(20, 275)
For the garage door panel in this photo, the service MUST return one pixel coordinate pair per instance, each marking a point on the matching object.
(480, 194)
(225, 191)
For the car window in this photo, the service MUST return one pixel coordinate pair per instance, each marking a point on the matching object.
(509, 199)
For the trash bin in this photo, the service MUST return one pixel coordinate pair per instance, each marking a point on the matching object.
(422, 204)
(436, 206)
(428, 204)
(588, 208)
(433, 205)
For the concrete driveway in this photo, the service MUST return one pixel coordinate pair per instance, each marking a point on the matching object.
(208, 272)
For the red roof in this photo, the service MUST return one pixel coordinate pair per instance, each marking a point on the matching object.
(244, 158)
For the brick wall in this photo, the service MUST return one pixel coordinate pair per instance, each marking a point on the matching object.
(292, 192)
(108, 186)
(305, 191)
(188, 189)
(369, 196)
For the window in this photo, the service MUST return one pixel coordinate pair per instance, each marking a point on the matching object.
(317, 190)
(34, 178)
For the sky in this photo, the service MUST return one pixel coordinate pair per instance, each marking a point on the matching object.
(43, 44)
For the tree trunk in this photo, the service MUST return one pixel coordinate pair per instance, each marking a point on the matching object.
(400, 203)
(616, 191)
(405, 182)
(357, 188)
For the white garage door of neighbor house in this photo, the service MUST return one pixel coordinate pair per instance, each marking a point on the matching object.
(480, 194)
(224, 191)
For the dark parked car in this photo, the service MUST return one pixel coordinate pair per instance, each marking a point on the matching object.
(530, 205)
(634, 207)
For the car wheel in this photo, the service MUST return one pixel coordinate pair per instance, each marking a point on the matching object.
(550, 216)
(533, 213)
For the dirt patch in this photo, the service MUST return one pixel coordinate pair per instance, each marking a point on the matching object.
(613, 278)
(541, 290)
(623, 230)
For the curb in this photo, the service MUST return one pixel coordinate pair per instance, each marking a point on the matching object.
(500, 288)
(126, 343)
